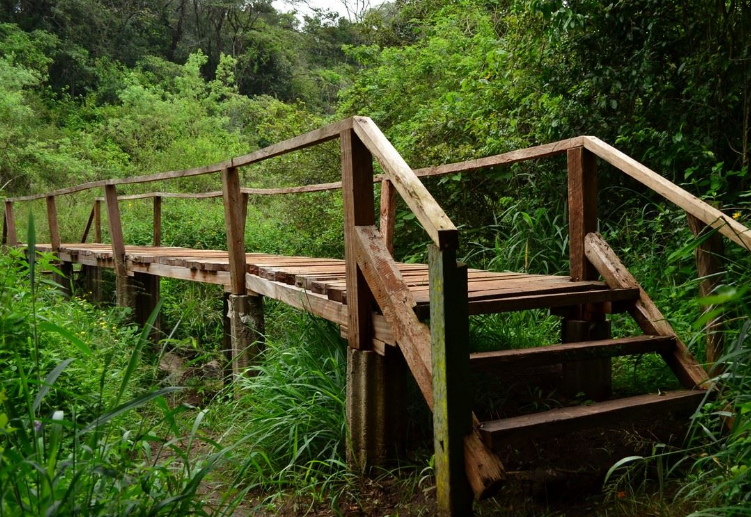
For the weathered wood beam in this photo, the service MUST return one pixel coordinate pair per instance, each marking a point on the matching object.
(708, 266)
(89, 222)
(10, 225)
(234, 225)
(123, 292)
(483, 469)
(388, 213)
(157, 220)
(97, 221)
(432, 217)
(645, 312)
(359, 209)
(703, 211)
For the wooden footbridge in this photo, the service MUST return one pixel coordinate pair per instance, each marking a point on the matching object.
(382, 306)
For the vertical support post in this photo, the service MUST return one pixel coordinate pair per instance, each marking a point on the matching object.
(123, 291)
(591, 377)
(63, 280)
(92, 275)
(157, 220)
(452, 416)
(388, 213)
(582, 209)
(145, 289)
(708, 264)
(97, 221)
(376, 406)
(245, 310)
(10, 225)
(226, 339)
(245, 211)
(359, 210)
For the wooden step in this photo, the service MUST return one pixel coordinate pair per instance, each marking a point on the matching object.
(545, 300)
(497, 433)
(568, 352)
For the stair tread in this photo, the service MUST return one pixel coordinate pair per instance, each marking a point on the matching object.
(561, 420)
(566, 352)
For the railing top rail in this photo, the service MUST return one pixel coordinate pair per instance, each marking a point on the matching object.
(518, 155)
(428, 212)
(702, 210)
(309, 139)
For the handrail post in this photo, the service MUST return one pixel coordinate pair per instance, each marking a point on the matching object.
(592, 377)
(97, 221)
(65, 268)
(157, 221)
(708, 255)
(10, 225)
(388, 213)
(91, 276)
(376, 411)
(452, 407)
(245, 309)
(123, 291)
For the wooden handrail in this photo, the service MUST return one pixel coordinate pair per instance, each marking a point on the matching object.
(311, 138)
(702, 210)
(432, 217)
(518, 155)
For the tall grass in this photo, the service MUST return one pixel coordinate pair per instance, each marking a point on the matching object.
(58, 460)
(291, 407)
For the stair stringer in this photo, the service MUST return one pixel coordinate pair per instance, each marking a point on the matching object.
(690, 373)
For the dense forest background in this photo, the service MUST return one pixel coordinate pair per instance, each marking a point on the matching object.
(94, 89)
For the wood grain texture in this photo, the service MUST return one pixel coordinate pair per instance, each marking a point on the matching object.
(395, 300)
(11, 238)
(565, 420)
(582, 209)
(452, 417)
(116, 229)
(359, 210)
(157, 235)
(708, 257)
(234, 224)
(388, 213)
(519, 155)
(432, 217)
(645, 312)
(456, 440)
(705, 212)
(52, 223)
(555, 354)
(97, 221)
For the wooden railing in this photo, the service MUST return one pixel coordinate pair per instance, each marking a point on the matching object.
(436, 356)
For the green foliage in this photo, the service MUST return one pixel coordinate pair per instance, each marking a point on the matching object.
(293, 403)
(70, 442)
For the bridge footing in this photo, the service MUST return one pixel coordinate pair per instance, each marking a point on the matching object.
(91, 283)
(245, 320)
(66, 279)
(145, 299)
(376, 407)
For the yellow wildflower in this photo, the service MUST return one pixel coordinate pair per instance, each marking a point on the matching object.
(737, 215)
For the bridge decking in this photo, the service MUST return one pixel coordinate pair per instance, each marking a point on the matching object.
(322, 281)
